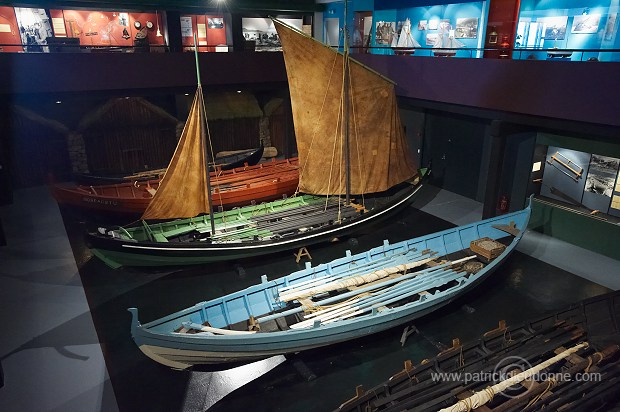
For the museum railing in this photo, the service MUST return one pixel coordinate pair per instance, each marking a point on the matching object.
(552, 54)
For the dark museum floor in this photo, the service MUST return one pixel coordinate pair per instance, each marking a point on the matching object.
(67, 345)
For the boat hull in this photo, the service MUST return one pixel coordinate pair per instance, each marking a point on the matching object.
(263, 185)
(247, 157)
(211, 354)
(116, 252)
(160, 341)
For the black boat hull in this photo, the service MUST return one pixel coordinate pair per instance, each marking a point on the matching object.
(118, 252)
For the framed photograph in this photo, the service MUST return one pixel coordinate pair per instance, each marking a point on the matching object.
(586, 23)
(433, 24)
(444, 24)
(602, 175)
(467, 28)
(610, 27)
(262, 31)
(422, 24)
(123, 19)
(554, 28)
(384, 30)
(215, 23)
(186, 26)
(431, 39)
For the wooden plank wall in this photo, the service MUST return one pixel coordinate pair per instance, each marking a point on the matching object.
(127, 136)
(234, 134)
(282, 131)
(37, 152)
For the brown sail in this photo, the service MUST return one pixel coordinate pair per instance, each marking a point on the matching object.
(379, 155)
(183, 189)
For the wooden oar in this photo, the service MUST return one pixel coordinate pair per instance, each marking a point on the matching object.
(366, 266)
(480, 398)
(404, 291)
(356, 280)
(362, 290)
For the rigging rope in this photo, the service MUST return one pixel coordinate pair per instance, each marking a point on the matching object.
(331, 165)
(357, 146)
(204, 108)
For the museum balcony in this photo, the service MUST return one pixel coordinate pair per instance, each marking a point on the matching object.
(565, 91)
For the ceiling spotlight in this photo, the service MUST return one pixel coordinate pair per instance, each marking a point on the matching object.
(187, 94)
(238, 91)
(58, 101)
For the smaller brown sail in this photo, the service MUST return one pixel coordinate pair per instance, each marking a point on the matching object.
(183, 190)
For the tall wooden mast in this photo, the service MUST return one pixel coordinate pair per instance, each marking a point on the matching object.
(346, 102)
(203, 137)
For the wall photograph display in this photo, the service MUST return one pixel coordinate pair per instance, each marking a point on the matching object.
(263, 32)
(586, 23)
(431, 39)
(610, 27)
(586, 181)
(433, 24)
(186, 26)
(34, 27)
(602, 175)
(467, 28)
(215, 22)
(422, 24)
(554, 28)
(384, 30)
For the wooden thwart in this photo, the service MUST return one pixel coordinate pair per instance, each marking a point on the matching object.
(509, 228)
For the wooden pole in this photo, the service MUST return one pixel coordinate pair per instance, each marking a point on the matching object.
(430, 271)
(320, 281)
(480, 398)
(380, 299)
(347, 150)
(203, 137)
(353, 280)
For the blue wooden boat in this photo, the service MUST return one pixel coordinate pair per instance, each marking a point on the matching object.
(350, 297)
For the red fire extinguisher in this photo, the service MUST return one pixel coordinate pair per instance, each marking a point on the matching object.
(504, 205)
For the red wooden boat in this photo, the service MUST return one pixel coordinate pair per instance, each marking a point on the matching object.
(231, 188)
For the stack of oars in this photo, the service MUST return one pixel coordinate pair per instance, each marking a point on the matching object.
(559, 347)
(379, 291)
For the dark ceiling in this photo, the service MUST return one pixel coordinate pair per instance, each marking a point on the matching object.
(230, 6)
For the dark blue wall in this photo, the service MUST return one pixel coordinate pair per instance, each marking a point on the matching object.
(584, 92)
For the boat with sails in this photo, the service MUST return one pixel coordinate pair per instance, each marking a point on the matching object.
(446, 44)
(406, 44)
(355, 168)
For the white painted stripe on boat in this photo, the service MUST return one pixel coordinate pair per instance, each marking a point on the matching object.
(279, 243)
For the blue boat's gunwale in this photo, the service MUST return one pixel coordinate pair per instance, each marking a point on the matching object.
(329, 332)
(295, 340)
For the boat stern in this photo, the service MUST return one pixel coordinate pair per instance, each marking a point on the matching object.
(158, 354)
